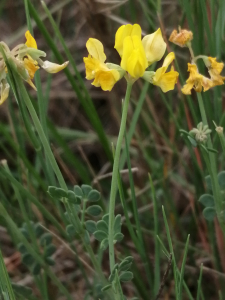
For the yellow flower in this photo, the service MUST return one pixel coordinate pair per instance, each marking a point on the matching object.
(196, 81)
(214, 68)
(138, 54)
(4, 91)
(182, 38)
(32, 65)
(134, 59)
(31, 43)
(166, 81)
(154, 46)
(96, 68)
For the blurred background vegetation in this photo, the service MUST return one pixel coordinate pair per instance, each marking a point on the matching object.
(81, 123)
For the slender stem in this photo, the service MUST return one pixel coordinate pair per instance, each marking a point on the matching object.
(213, 168)
(40, 131)
(115, 174)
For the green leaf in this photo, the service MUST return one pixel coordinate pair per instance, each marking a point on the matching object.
(117, 224)
(193, 141)
(118, 237)
(104, 244)
(91, 226)
(207, 200)
(39, 230)
(71, 230)
(27, 259)
(106, 287)
(126, 263)
(78, 192)
(57, 193)
(100, 235)
(221, 180)
(113, 273)
(94, 210)
(24, 232)
(94, 196)
(106, 218)
(22, 290)
(209, 213)
(46, 239)
(36, 269)
(86, 189)
(49, 250)
(101, 225)
(208, 182)
(50, 261)
(126, 276)
(86, 237)
(212, 150)
(72, 198)
(21, 247)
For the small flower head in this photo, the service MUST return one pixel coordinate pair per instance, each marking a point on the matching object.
(25, 60)
(138, 54)
(166, 81)
(214, 68)
(196, 81)
(181, 38)
(201, 133)
(104, 76)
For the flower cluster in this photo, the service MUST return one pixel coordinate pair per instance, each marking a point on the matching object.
(201, 133)
(197, 80)
(136, 56)
(25, 60)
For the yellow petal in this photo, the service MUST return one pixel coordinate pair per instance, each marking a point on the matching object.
(154, 46)
(91, 65)
(31, 66)
(30, 40)
(106, 79)
(123, 32)
(52, 67)
(169, 58)
(215, 65)
(207, 83)
(96, 49)
(134, 60)
(187, 88)
(166, 81)
(4, 88)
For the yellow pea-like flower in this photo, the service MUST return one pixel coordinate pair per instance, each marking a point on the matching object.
(196, 81)
(214, 69)
(134, 60)
(154, 46)
(96, 68)
(166, 81)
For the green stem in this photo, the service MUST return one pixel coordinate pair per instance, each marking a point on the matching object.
(213, 168)
(115, 174)
(40, 131)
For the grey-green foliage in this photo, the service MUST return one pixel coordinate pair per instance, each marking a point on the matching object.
(44, 243)
(100, 230)
(207, 200)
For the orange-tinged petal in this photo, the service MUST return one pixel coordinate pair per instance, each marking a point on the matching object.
(182, 38)
(30, 40)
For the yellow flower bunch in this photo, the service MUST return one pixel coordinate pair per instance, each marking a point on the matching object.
(25, 60)
(136, 56)
(197, 80)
